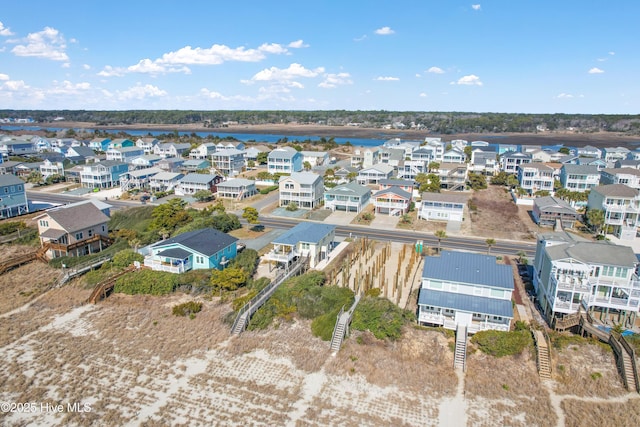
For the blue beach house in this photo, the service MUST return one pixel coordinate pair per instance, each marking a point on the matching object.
(195, 250)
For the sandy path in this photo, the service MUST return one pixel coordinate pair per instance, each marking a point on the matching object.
(453, 411)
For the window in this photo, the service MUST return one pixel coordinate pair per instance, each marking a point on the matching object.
(90, 233)
(79, 236)
(497, 293)
(435, 284)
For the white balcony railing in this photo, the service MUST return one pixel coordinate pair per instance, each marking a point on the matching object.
(280, 256)
(163, 266)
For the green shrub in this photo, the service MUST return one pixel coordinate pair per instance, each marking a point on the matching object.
(500, 343)
(373, 292)
(247, 261)
(147, 282)
(187, 309)
(323, 325)
(292, 207)
(126, 258)
(380, 316)
(269, 189)
(11, 227)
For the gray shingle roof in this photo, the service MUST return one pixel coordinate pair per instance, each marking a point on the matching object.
(468, 303)
(306, 232)
(177, 253)
(464, 267)
(398, 182)
(280, 153)
(445, 197)
(616, 190)
(78, 217)
(604, 253)
(393, 190)
(620, 171)
(553, 204)
(206, 241)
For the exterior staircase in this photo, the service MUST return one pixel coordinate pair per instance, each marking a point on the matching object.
(544, 359)
(247, 310)
(460, 355)
(103, 288)
(341, 329)
(626, 360)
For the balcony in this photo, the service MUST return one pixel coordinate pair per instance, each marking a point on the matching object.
(391, 205)
(563, 306)
(613, 302)
(281, 256)
(175, 267)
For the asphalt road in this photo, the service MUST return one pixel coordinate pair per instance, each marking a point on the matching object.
(502, 247)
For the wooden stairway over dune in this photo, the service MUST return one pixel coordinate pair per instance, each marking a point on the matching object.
(341, 329)
(247, 310)
(460, 355)
(544, 355)
(103, 288)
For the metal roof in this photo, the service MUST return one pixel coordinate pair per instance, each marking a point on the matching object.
(236, 182)
(598, 253)
(7, 179)
(198, 178)
(397, 182)
(581, 169)
(206, 241)
(550, 203)
(306, 232)
(465, 267)
(303, 177)
(280, 153)
(464, 302)
(352, 189)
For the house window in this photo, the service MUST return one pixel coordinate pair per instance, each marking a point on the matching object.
(44, 223)
(104, 228)
(79, 236)
(90, 233)
(497, 318)
(435, 284)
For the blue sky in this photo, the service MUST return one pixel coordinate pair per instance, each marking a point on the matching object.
(527, 56)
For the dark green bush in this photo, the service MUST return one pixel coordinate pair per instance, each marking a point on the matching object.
(269, 189)
(380, 316)
(187, 308)
(126, 258)
(147, 282)
(500, 343)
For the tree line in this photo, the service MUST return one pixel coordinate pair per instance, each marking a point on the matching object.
(435, 122)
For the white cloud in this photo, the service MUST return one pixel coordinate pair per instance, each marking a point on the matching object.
(86, 66)
(5, 31)
(386, 79)
(298, 44)
(564, 96)
(384, 31)
(110, 71)
(359, 39)
(475, 6)
(4, 76)
(595, 70)
(212, 95)
(148, 66)
(423, 95)
(48, 43)
(293, 72)
(216, 54)
(470, 80)
(68, 88)
(15, 85)
(273, 48)
(435, 70)
(140, 92)
(418, 75)
(612, 53)
(334, 80)
(66, 65)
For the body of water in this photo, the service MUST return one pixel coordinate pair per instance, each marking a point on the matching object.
(244, 137)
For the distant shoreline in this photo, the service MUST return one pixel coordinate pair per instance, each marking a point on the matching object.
(598, 139)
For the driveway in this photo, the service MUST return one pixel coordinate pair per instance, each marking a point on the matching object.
(386, 222)
(340, 218)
